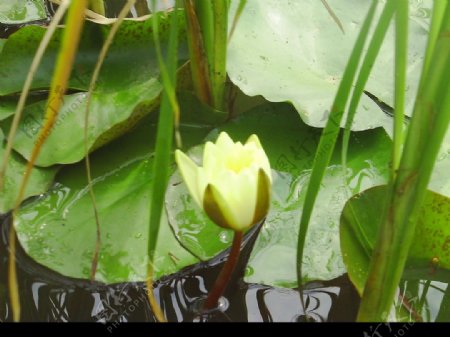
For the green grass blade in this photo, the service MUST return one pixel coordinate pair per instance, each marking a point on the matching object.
(444, 310)
(98, 6)
(329, 136)
(438, 14)
(423, 298)
(200, 68)
(401, 62)
(58, 86)
(204, 12)
(366, 67)
(239, 11)
(164, 140)
(169, 85)
(220, 13)
(62, 8)
(426, 132)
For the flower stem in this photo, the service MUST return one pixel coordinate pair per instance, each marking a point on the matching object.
(225, 275)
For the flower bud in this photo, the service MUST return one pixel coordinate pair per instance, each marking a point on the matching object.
(233, 186)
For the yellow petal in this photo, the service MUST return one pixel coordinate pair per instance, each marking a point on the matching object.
(239, 192)
(190, 172)
(254, 139)
(225, 143)
(234, 184)
(260, 156)
(213, 158)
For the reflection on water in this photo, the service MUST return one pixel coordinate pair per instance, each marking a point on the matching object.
(429, 301)
(48, 296)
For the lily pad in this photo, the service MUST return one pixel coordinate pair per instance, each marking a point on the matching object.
(290, 146)
(300, 51)
(40, 179)
(8, 104)
(128, 87)
(58, 228)
(429, 256)
(7, 108)
(65, 143)
(22, 11)
(131, 57)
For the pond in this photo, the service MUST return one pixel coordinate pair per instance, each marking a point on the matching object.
(277, 120)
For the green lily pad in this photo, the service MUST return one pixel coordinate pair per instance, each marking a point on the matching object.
(429, 256)
(40, 179)
(7, 108)
(301, 53)
(131, 58)
(22, 11)
(58, 228)
(8, 104)
(128, 87)
(290, 146)
(111, 114)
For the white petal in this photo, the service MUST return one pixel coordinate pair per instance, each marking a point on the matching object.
(190, 173)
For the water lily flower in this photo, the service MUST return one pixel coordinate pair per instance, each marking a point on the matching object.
(233, 185)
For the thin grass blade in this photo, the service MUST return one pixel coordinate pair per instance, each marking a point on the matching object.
(164, 141)
(426, 132)
(58, 87)
(328, 139)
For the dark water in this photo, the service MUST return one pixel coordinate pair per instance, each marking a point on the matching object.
(49, 296)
